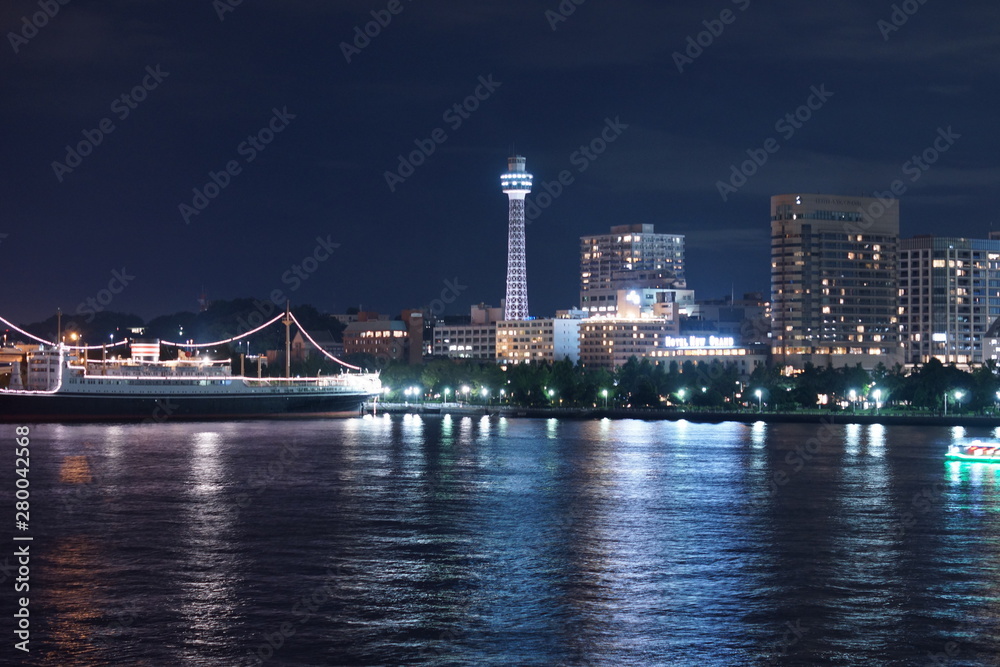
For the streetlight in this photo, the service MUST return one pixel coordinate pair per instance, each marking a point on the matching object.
(446, 390)
(551, 393)
(854, 406)
(878, 397)
(75, 337)
(604, 393)
(958, 397)
(760, 400)
(466, 390)
(486, 395)
(680, 394)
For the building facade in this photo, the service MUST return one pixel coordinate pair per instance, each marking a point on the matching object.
(834, 280)
(608, 343)
(544, 340)
(385, 340)
(949, 292)
(302, 349)
(476, 340)
(631, 257)
(710, 349)
(466, 341)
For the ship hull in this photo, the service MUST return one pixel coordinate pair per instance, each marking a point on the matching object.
(69, 407)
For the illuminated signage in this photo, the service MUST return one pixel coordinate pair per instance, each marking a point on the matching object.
(699, 341)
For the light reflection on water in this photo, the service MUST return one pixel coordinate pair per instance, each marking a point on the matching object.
(497, 541)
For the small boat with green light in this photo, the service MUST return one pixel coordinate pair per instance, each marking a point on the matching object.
(976, 451)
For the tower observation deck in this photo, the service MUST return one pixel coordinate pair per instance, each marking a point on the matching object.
(516, 183)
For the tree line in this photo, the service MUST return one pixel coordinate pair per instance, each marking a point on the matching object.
(715, 386)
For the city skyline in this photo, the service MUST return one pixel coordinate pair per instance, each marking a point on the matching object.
(361, 167)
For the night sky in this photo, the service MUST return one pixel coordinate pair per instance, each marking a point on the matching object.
(553, 83)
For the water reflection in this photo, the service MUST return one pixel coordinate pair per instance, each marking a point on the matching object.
(852, 443)
(206, 569)
(876, 440)
(517, 541)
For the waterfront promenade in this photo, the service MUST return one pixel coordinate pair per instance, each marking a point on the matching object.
(695, 415)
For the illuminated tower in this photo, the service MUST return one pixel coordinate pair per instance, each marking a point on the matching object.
(516, 183)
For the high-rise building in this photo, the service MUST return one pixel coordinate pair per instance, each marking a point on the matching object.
(834, 280)
(516, 183)
(631, 257)
(949, 297)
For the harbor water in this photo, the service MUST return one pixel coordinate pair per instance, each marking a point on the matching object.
(478, 540)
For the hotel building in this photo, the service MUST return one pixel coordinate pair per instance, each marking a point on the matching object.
(834, 280)
(631, 257)
(608, 343)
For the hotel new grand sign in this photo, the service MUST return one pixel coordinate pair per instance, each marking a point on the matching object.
(696, 342)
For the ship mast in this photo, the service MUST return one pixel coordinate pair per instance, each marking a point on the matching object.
(288, 341)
